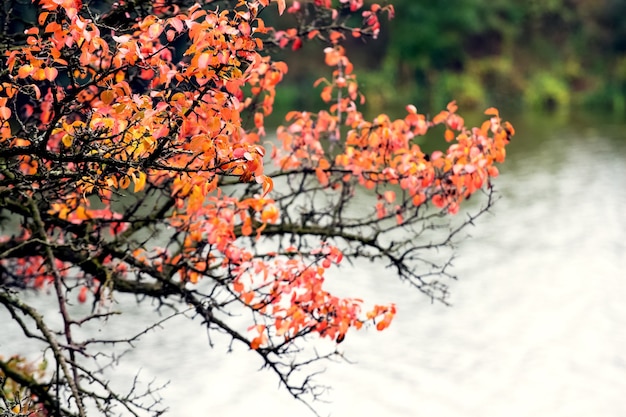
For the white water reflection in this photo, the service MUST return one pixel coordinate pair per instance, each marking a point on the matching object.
(537, 326)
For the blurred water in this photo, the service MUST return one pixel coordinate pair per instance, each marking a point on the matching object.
(537, 326)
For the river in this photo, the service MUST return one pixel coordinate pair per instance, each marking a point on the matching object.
(537, 325)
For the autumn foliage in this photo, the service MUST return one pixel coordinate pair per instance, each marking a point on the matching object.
(134, 158)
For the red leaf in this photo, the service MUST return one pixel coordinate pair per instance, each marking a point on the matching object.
(297, 44)
(82, 295)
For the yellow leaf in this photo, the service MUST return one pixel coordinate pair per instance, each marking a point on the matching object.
(270, 214)
(25, 71)
(140, 182)
(81, 213)
(67, 140)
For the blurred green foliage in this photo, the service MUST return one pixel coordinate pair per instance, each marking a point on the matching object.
(552, 55)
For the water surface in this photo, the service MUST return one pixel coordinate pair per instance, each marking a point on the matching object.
(537, 326)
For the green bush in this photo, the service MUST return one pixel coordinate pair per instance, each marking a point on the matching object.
(545, 91)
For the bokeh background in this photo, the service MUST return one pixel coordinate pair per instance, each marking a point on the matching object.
(539, 55)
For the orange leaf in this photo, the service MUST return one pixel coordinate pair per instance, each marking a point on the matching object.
(509, 128)
(336, 36)
(25, 71)
(327, 93)
(42, 17)
(256, 342)
(124, 182)
(419, 198)
(322, 176)
(81, 213)
(246, 228)
(449, 135)
(268, 184)
(107, 96)
(50, 73)
(452, 107)
(441, 117)
(492, 111)
(390, 196)
(247, 297)
(5, 113)
(484, 128)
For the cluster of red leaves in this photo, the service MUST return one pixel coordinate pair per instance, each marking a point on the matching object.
(183, 132)
(293, 294)
(384, 151)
